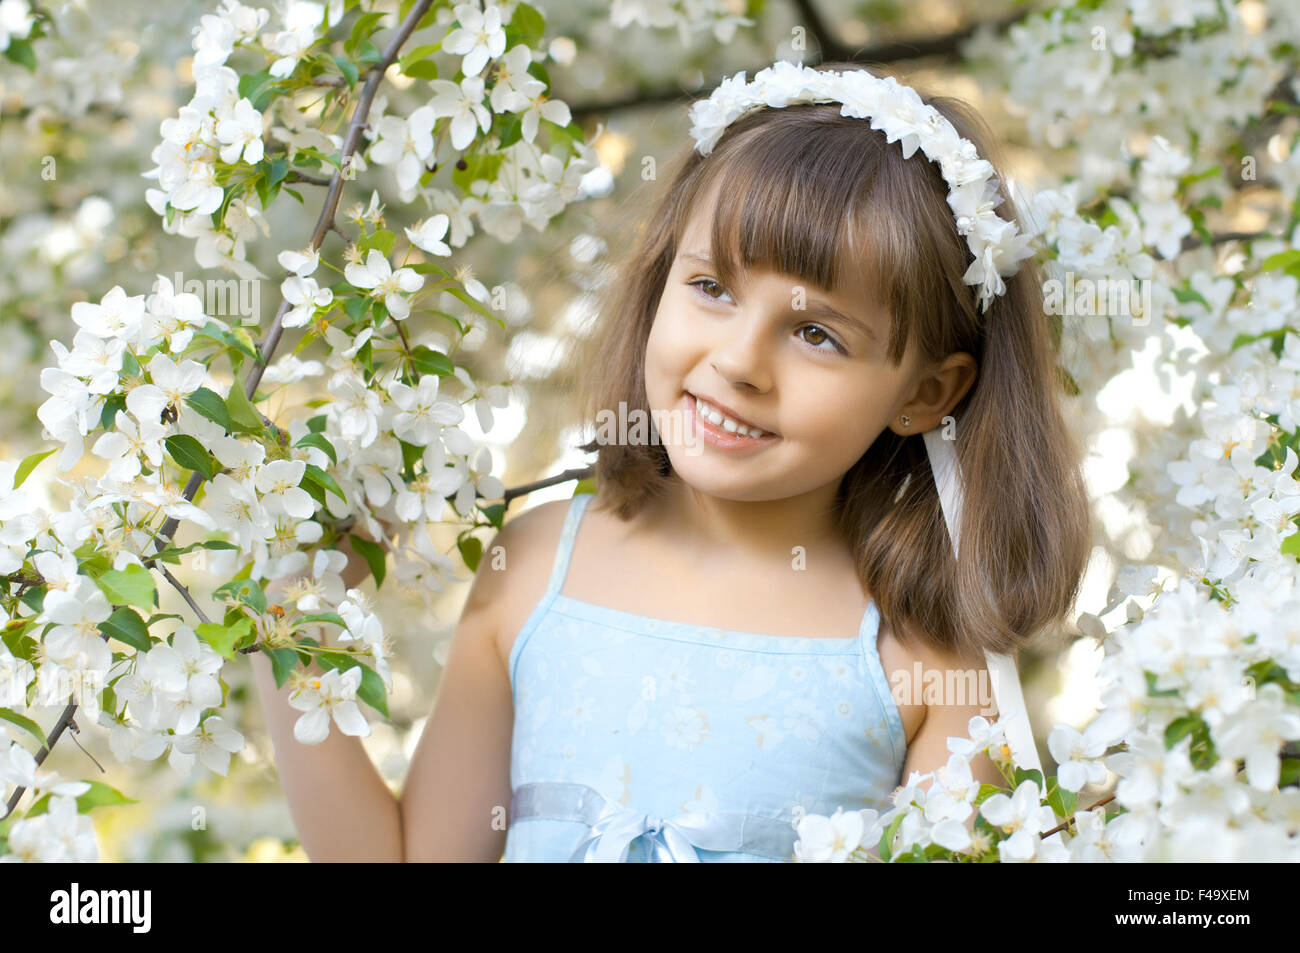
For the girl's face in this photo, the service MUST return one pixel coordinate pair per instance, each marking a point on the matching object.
(818, 383)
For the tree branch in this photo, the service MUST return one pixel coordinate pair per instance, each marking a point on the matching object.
(947, 45)
(573, 474)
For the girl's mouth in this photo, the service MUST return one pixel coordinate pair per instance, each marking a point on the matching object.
(717, 435)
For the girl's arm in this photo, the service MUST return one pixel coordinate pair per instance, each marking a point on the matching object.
(928, 748)
(341, 806)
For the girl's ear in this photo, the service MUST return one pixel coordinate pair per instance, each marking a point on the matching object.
(938, 391)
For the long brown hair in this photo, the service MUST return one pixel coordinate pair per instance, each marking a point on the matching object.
(809, 192)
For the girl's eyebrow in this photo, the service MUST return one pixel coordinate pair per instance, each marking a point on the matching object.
(814, 308)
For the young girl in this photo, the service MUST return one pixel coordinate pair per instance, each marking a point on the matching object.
(730, 632)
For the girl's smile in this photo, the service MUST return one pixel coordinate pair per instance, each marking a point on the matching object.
(719, 435)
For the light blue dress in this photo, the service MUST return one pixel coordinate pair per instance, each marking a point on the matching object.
(642, 739)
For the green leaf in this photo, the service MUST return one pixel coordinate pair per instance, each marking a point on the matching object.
(189, 453)
(374, 555)
(25, 723)
(243, 415)
(354, 308)
(527, 24)
(172, 554)
(477, 305)
(382, 240)
(99, 795)
(246, 591)
(419, 53)
(1283, 259)
(471, 550)
(21, 52)
(125, 625)
(1029, 774)
(28, 465)
(509, 128)
(108, 414)
(366, 25)
(1062, 801)
(316, 618)
(411, 454)
(348, 69)
(34, 598)
(368, 54)
(132, 586)
(477, 166)
(210, 405)
(1186, 295)
(422, 69)
(279, 169)
(222, 638)
(1290, 772)
(429, 361)
(883, 849)
(314, 474)
(318, 441)
(495, 512)
(1179, 728)
(283, 662)
(159, 616)
(257, 88)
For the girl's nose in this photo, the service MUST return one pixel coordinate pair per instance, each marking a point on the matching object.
(743, 356)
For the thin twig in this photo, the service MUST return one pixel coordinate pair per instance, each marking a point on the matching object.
(572, 474)
(1069, 821)
(297, 176)
(185, 594)
(1195, 241)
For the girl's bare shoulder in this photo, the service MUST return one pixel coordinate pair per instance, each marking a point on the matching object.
(519, 561)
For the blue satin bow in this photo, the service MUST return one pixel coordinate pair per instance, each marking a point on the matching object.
(615, 828)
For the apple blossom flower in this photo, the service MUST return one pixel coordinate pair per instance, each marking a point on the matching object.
(480, 36)
(464, 104)
(306, 297)
(427, 235)
(240, 130)
(320, 698)
(377, 276)
(406, 143)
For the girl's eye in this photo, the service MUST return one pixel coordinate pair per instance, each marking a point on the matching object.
(699, 283)
(824, 338)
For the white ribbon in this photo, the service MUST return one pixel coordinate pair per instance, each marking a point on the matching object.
(1007, 695)
(613, 827)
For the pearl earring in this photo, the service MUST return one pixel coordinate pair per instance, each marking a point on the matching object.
(907, 421)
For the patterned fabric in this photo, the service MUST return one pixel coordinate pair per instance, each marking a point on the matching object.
(642, 739)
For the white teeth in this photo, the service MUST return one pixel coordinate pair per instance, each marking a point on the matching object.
(719, 419)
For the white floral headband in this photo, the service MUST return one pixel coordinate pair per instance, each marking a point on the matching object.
(997, 244)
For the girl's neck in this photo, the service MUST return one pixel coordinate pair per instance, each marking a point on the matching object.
(700, 526)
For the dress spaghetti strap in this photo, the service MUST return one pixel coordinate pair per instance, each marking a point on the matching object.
(564, 551)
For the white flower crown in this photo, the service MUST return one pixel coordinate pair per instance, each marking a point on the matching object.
(997, 244)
